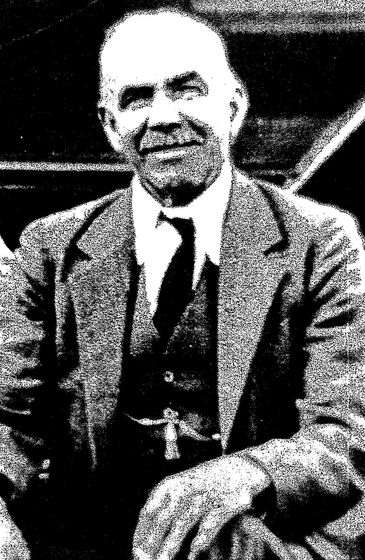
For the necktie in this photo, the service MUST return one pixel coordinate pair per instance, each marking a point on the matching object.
(177, 285)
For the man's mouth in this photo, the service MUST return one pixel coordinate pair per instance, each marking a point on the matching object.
(167, 147)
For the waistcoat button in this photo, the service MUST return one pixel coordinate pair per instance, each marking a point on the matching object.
(168, 376)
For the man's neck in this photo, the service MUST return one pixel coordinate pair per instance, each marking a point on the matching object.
(207, 210)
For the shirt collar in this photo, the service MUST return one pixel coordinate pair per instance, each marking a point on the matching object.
(207, 212)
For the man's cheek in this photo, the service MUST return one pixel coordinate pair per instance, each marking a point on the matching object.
(215, 124)
(127, 142)
(204, 109)
(125, 145)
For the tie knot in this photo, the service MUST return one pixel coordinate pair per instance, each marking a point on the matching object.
(184, 226)
(177, 285)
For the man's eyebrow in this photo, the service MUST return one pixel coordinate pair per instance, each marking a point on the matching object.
(143, 86)
(183, 78)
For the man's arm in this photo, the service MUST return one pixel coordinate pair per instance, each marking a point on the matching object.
(26, 356)
(314, 472)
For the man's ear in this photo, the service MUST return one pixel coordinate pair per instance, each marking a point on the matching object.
(109, 125)
(239, 107)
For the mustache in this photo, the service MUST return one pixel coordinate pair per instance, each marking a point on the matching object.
(154, 140)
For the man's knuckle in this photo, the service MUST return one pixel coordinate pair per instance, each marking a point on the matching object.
(215, 520)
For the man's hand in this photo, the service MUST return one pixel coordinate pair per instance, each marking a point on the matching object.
(202, 499)
(12, 543)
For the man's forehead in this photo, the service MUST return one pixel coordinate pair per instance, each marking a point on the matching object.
(160, 70)
(161, 50)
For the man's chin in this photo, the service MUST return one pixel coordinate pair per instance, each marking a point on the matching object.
(176, 183)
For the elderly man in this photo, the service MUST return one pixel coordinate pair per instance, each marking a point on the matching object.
(182, 361)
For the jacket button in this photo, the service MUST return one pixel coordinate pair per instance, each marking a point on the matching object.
(168, 376)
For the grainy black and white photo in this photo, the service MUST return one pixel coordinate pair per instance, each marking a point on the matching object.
(182, 280)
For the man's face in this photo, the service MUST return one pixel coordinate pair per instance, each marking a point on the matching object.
(171, 119)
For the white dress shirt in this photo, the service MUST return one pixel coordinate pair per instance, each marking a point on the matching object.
(156, 243)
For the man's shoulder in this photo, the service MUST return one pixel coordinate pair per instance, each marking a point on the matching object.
(296, 210)
(59, 228)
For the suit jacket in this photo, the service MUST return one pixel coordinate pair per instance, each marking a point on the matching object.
(290, 354)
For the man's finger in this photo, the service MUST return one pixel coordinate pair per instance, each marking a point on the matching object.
(209, 528)
(157, 499)
(184, 520)
(140, 554)
(153, 523)
(216, 519)
(150, 538)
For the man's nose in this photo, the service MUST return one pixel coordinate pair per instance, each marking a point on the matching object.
(163, 111)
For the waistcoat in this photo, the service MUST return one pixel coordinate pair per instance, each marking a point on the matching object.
(177, 377)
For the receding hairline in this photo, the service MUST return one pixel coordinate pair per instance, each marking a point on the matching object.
(143, 15)
(193, 19)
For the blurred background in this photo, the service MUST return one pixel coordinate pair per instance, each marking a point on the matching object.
(302, 62)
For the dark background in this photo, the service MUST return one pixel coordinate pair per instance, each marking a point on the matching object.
(298, 78)
(49, 82)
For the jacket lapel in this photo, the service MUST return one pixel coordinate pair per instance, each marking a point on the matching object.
(100, 286)
(250, 271)
(100, 281)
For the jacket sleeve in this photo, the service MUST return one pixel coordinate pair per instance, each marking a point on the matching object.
(318, 473)
(27, 360)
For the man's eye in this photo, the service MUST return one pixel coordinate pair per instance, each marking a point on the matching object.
(135, 99)
(188, 90)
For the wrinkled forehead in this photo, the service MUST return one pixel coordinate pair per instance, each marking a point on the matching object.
(155, 48)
